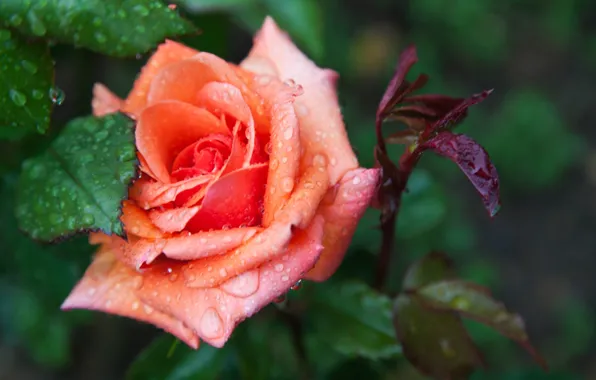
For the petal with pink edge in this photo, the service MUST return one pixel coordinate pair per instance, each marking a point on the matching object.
(214, 313)
(104, 101)
(321, 125)
(208, 243)
(342, 209)
(110, 287)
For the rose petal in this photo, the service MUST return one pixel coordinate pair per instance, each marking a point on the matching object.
(304, 202)
(321, 125)
(185, 79)
(167, 53)
(104, 101)
(110, 286)
(285, 148)
(207, 243)
(165, 128)
(235, 199)
(214, 313)
(342, 209)
(271, 242)
(224, 98)
(149, 193)
(137, 222)
(174, 220)
(240, 157)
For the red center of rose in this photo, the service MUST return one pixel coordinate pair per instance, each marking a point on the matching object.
(206, 156)
(235, 171)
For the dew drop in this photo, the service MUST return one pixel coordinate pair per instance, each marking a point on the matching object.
(141, 10)
(279, 267)
(211, 324)
(297, 285)
(88, 219)
(56, 95)
(319, 160)
(223, 272)
(287, 184)
(36, 94)
(135, 305)
(290, 82)
(100, 37)
(288, 133)
(101, 135)
(17, 97)
(29, 67)
(285, 278)
(356, 180)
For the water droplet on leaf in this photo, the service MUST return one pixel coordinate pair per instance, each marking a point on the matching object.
(17, 97)
(56, 95)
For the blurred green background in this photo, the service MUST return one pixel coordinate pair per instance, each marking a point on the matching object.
(538, 255)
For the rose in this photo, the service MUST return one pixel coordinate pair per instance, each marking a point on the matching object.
(248, 184)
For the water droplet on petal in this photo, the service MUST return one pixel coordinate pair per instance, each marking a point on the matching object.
(297, 285)
(279, 267)
(211, 324)
(356, 180)
(287, 184)
(288, 133)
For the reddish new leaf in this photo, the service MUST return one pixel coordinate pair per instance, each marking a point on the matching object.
(435, 342)
(459, 111)
(473, 161)
(393, 94)
(476, 302)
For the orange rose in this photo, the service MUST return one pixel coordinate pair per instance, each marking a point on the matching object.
(248, 184)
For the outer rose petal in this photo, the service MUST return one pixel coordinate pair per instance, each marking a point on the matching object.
(208, 243)
(167, 53)
(104, 101)
(183, 81)
(342, 209)
(284, 158)
(214, 312)
(110, 286)
(321, 126)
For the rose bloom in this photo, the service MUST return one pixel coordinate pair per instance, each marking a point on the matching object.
(248, 184)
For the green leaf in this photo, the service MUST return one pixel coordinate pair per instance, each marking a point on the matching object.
(25, 84)
(355, 320)
(114, 27)
(164, 361)
(198, 6)
(259, 355)
(302, 19)
(435, 342)
(476, 302)
(80, 181)
(433, 267)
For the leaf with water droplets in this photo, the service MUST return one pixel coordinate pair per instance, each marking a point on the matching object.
(475, 302)
(79, 182)
(355, 320)
(474, 161)
(114, 27)
(435, 342)
(166, 360)
(26, 72)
